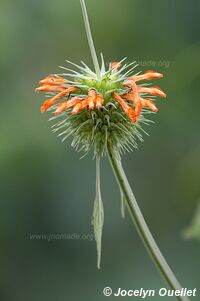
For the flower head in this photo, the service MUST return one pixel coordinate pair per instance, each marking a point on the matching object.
(97, 111)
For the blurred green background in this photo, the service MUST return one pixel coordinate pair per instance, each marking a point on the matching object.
(46, 188)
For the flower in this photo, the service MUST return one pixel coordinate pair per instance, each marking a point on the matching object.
(97, 111)
(103, 110)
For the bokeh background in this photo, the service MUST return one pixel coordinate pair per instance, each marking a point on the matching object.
(47, 189)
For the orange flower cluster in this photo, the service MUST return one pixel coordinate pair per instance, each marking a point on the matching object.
(134, 95)
(54, 83)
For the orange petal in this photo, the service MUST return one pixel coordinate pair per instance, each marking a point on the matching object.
(131, 83)
(127, 109)
(99, 101)
(134, 97)
(84, 104)
(138, 108)
(132, 115)
(47, 104)
(77, 108)
(129, 96)
(64, 105)
(61, 107)
(153, 74)
(52, 80)
(49, 88)
(153, 91)
(91, 99)
(137, 102)
(73, 101)
(90, 102)
(147, 75)
(150, 104)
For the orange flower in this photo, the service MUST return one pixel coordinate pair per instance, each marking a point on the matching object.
(64, 105)
(131, 101)
(99, 101)
(135, 90)
(127, 109)
(52, 80)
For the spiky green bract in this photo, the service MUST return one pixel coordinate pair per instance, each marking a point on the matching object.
(95, 129)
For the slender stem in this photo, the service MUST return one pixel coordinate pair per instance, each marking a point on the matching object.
(90, 39)
(141, 225)
(98, 212)
(98, 180)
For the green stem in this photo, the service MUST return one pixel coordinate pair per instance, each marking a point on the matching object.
(90, 39)
(141, 225)
(98, 212)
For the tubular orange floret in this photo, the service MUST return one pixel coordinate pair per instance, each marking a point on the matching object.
(153, 74)
(84, 104)
(61, 107)
(134, 97)
(128, 96)
(64, 92)
(143, 102)
(127, 109)
(134, 88)
(64, 105)
(148, 75)
(45, 106)
(99, 101)
(137, 102)
(77, 108)
(150, 104)
(132, 115)
(49, 88)
(153, 91)
(138, 108)
(91, 99)
(48, 103)
(52, 79)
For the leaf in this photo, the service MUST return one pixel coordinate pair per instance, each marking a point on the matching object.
(97, 221)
